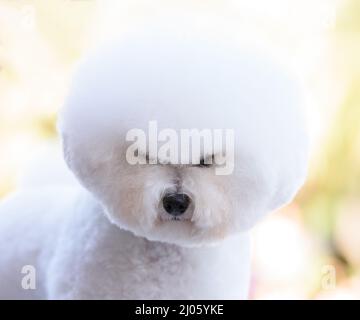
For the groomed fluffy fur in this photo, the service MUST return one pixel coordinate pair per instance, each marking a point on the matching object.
(108, 240)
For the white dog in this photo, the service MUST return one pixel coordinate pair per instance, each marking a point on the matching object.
(166, 230)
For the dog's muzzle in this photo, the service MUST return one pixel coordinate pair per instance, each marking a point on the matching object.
(176, 204)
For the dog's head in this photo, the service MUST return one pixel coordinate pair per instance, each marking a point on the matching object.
(123, 98)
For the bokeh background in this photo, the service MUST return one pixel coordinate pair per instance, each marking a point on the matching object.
(307, 250)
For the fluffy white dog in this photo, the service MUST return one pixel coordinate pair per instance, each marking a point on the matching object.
(166, 230)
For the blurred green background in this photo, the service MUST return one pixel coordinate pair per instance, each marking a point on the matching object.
(308, 250)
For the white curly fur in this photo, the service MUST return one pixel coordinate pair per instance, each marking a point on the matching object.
(108, 239)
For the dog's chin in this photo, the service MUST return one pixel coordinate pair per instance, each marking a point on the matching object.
(176, 231)
(179, 231)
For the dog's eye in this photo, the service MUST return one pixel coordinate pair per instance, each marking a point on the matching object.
(206, 163)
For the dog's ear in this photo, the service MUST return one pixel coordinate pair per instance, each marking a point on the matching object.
(66, 150)
(64, 139)
(67, 146)
(68, 139)
(75, 161)
(283, 195)
(290, 179)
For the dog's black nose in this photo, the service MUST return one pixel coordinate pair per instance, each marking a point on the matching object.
(176, 203)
